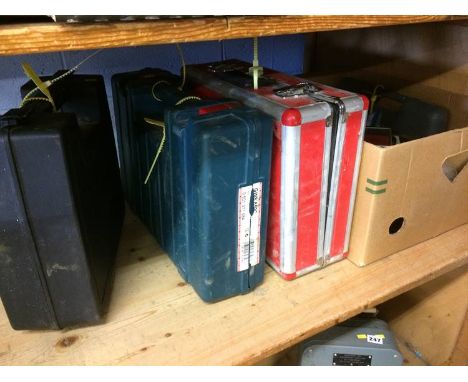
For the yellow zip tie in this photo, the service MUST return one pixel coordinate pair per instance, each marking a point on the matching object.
(36, 99)
(255, 51)
(29, 71)
(181, 55)
(163, 140)
(156, 84)
(50, 82)
(188, 98)
(255, 70)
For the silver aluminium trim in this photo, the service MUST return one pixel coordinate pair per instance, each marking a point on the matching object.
(314, 267)
(355, 180)
(340, 124)
(275, 108)
(290, 162)
(353, 103)
(334, 183)
(324, 189)
(336, 258)
(309, 269)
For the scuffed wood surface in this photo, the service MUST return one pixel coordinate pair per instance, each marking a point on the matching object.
(154, 318)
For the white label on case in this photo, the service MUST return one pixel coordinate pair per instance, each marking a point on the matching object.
(249, 218)
(375, 339)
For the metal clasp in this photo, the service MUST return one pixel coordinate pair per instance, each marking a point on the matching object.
(323, 261)
(301, 89)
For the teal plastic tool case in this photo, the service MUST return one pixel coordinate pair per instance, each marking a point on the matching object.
(61, 207)
(207, 200)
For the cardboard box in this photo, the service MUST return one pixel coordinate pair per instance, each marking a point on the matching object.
(409, 193)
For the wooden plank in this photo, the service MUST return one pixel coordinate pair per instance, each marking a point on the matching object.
(428, 319)
(49, 37)
(155, 318)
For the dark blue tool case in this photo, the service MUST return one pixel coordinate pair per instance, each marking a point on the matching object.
(61, 207)
(134, 100)
(206, 202)
(219, 164)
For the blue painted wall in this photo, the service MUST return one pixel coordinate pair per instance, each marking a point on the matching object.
(284, 53)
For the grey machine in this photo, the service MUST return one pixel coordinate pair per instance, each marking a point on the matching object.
(356, 342)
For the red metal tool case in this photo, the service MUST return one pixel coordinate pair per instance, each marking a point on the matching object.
(318, 133)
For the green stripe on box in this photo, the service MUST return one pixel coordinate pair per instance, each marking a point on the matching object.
(377, 182)
(375, 192)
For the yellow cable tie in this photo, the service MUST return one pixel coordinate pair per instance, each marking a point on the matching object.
(52, 81)
(26, 100)
(181, 86)
(29, 71)
(163, 140)
(255, 63)
(156, 84)
(255, 51)
(188, 98)
(255, 70)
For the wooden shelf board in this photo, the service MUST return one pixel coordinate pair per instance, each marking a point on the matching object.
(50, 37)
(154, 318)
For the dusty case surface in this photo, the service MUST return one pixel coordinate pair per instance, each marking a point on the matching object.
(209, 183)
(316, 152)
(61, 210)
(138, 95)
(218, 157)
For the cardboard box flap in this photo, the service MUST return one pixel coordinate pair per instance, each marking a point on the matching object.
(455, 167)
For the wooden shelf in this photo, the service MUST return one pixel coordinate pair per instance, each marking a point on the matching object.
(154, 318)
(50, 37)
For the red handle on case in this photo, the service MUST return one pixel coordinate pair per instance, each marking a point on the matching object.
(214, 108)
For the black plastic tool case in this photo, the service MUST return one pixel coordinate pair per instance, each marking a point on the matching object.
(61, 207)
